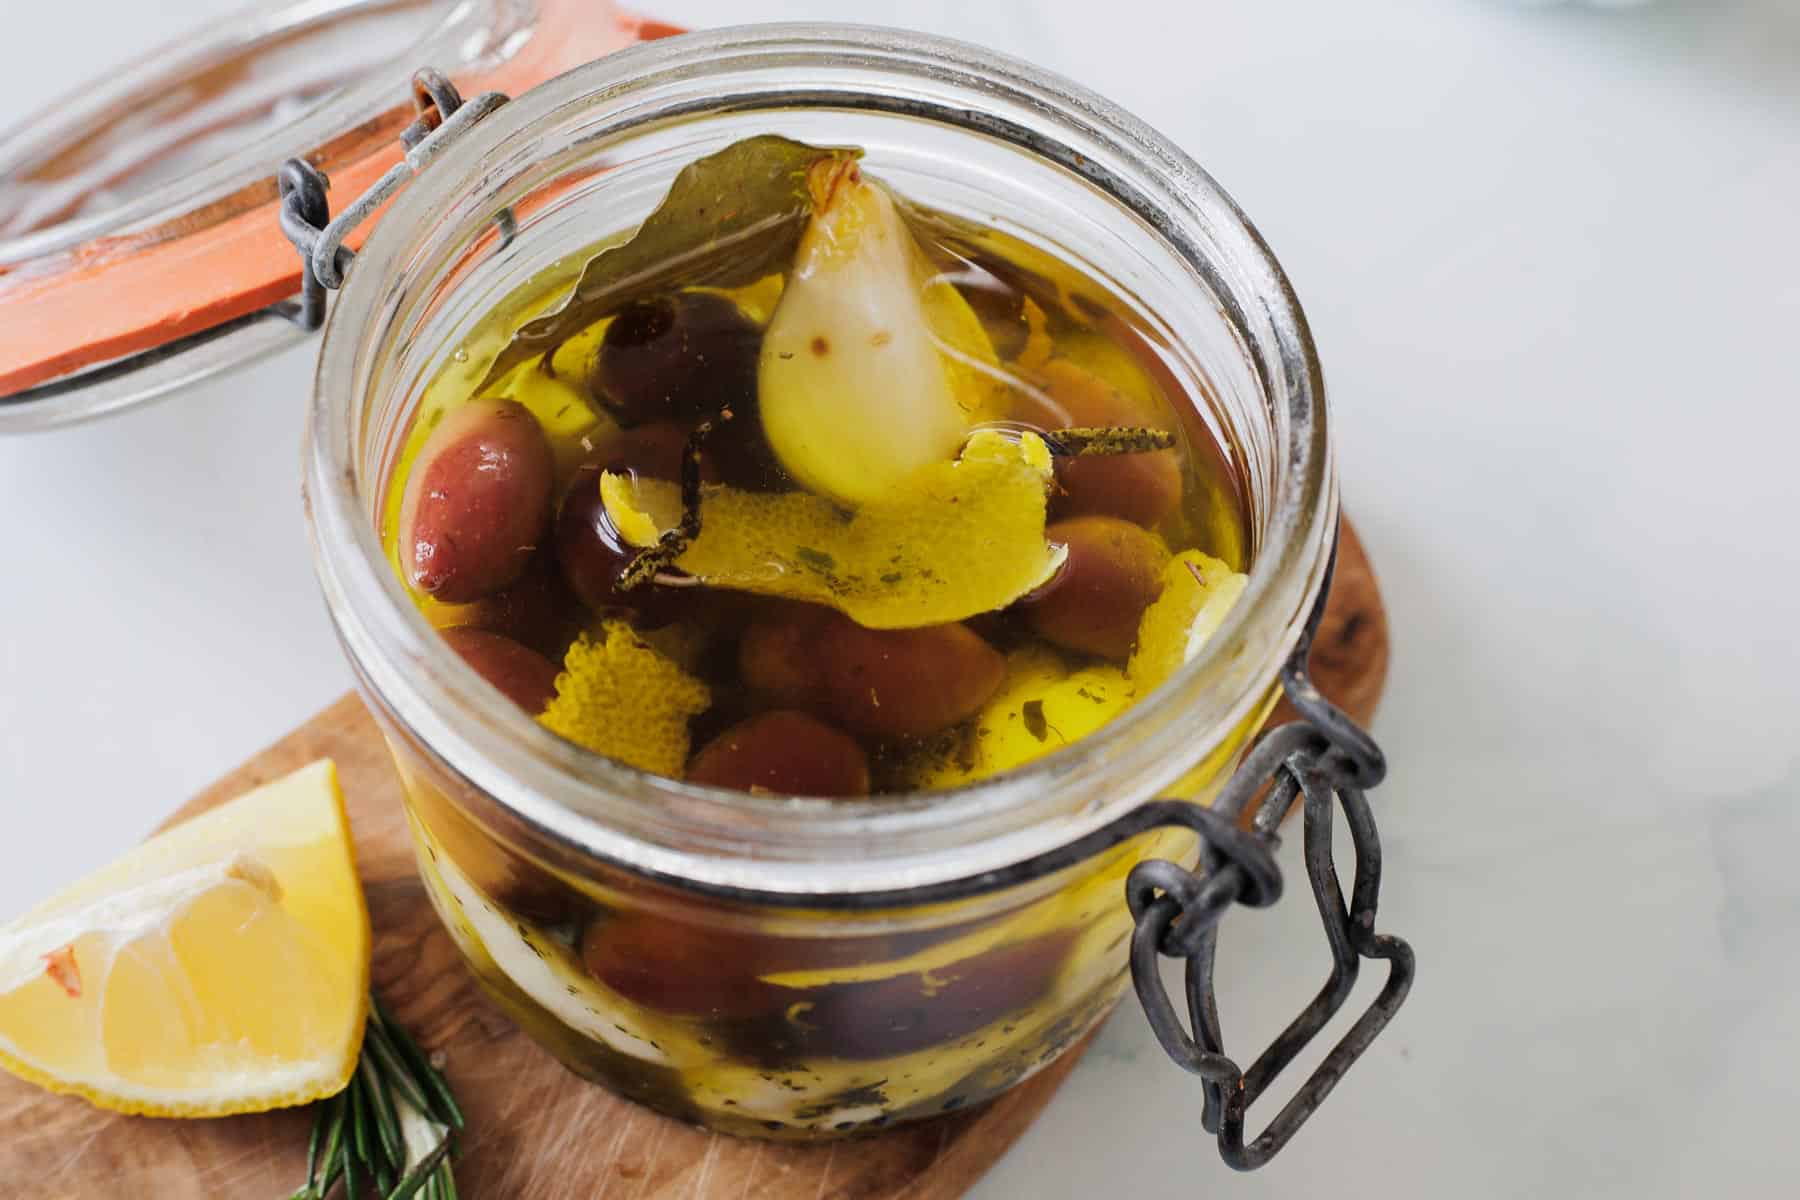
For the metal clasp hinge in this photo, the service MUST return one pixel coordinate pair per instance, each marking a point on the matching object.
(305, 213)
(1325, 760)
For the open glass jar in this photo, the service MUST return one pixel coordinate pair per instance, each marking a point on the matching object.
(797, 967)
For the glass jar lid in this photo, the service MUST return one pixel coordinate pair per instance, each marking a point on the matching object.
(139, 248)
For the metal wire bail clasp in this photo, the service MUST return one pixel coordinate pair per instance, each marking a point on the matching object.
(1324, 760)
(305, 213)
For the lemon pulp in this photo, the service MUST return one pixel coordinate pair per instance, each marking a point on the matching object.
(220, 967)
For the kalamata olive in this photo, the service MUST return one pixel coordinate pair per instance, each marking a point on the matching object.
(737, 453)
(683, 969)
(777, 654)
(1144, 488)
(591, 552)
(526, 677)
(510, 880)
(1093, 605)
(908, 1013)
(681, 356)
(477, 501)
(689, 357)
(540, 611)
(884, 683)
(786, 752)
(652, 451)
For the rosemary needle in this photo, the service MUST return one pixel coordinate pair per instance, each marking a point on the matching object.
(445, 1108)
(358, 1136)
(396, 1072)
(334, 1115)
(422, 1174)
(359, 1122)
(387, 1122)
(312, 1151)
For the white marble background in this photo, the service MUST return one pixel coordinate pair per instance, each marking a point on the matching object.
(1551, 257)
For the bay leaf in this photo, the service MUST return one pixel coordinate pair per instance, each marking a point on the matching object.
(729, 219)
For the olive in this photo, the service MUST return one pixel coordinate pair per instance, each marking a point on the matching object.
(1144, 488)
(683, 969)
(997, 304)
(505, 877)
(591, 552)
(884, 683)
(776, 655)
(1094, 604)
(683, 356)
(737, 453)
(539, 611)
(476, 502)
(689, 357)
(927, 1010)
(785, 752)
(526, 677)
(652, 451)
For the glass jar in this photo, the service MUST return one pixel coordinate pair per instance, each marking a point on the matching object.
(780, 966)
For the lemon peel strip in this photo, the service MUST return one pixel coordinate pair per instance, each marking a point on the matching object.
(620, 697)
(949, 541)
(1043, 706)
(1198, 592)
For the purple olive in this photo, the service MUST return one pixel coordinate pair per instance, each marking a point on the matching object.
(1144, 488)
(682, 356)
(476, 502)
(1094, 604)
(591, 552)
(785, 752)
(926, 1010)
(509, 879)
(526, 677)
(884, 683)
(689, 357)
(539, 611)
(683, 969)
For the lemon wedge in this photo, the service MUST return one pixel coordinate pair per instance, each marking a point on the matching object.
(220, 967)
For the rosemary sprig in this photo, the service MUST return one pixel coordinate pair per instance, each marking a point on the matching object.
(645, 564)
(393, 1128)
(1106, 439)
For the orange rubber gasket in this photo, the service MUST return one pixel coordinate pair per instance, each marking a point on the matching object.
(187, 277)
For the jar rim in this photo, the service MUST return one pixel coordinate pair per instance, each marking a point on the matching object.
(802, 847)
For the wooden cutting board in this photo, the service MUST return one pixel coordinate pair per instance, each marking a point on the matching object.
(535, 1131)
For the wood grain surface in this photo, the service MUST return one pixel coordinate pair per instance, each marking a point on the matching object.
(536, 1132)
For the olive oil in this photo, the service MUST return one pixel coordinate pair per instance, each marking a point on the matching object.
(498, 520)
(814, 493)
